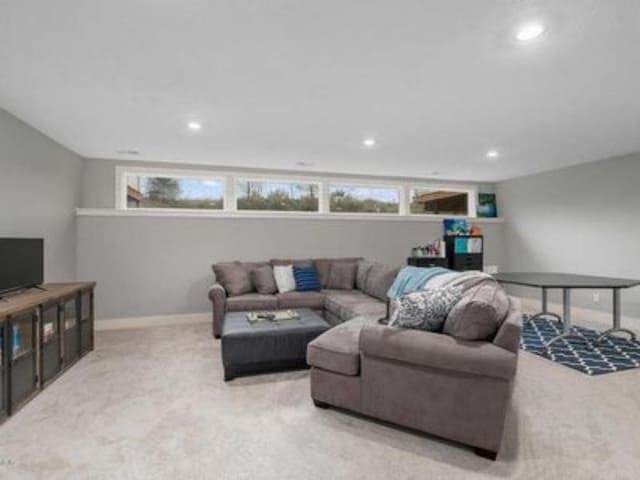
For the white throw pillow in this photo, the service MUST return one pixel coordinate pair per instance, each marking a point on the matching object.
(285, 280)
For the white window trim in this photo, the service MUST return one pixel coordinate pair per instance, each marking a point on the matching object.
(324, 183)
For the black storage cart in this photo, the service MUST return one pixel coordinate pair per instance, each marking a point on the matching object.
(459, 258)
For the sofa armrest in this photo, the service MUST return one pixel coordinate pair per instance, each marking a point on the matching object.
(218, 297)
(435, 350)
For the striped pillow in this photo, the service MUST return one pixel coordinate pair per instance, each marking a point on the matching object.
(306, 279)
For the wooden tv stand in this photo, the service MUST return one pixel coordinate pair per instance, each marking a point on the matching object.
(43, 332)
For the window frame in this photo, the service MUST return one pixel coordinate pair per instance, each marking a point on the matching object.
(390, 186)
(236, 179)
(230, 180)
(472, 194)
(121, 186)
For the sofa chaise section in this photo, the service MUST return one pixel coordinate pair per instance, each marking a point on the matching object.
(458, 390)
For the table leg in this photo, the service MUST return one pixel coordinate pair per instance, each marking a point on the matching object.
(567, 326)
(545, 312)
(617, 317)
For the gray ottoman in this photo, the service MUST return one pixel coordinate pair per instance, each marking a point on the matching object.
(267, 346)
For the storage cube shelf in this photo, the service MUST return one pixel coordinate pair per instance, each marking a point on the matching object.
(51, 343)
(42, 333)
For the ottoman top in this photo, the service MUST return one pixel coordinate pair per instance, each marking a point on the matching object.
(236, 324)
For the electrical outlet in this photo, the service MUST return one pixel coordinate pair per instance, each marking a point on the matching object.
(491, 269)
(596, 297)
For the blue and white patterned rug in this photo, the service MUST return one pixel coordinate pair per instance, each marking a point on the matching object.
(614, 354)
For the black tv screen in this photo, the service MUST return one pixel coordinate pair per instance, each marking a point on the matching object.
(21, 263)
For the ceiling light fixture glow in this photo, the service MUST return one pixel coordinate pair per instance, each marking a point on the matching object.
(194, 126)
(529, 32)
(492, 154)
(369, 142)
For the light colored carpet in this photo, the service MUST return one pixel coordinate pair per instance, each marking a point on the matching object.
(151, 404)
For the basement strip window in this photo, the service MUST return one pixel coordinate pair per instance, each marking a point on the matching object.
(349, 198)
(142, 188)
(277, 196)
(173, 192)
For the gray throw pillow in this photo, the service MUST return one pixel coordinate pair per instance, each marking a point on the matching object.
(263, 281)
(425, 309)
(362, 273)
(234, 277)
(379, 279)
(323, 266)
(480, 312)
(342, 276)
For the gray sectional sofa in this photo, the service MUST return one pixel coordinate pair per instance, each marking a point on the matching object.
(235, 290)
(456, 385)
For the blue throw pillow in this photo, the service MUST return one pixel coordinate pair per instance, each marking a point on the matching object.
(306, 279)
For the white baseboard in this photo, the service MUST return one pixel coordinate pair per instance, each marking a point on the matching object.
(582, 316)
(152, 321)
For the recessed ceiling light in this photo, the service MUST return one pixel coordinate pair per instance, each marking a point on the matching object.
(194, 126)
(435, 173)
(529, 32)
(304, 164)
(492, 154)
(369, 142)
(128, 152)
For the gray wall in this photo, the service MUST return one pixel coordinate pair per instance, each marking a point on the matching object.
(161, 265)
(40, 186)
(583, 219)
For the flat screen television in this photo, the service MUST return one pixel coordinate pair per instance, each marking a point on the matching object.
(21, 263)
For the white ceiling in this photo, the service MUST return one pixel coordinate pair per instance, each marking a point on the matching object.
(438, 83)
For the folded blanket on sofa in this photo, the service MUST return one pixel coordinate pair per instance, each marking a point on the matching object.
(412, 279)
(466, 280)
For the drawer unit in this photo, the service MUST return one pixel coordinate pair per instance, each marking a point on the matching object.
(428, 262)
(468, 261)
(50, 342)
(71, 330)
(23, 358)
(465, 252)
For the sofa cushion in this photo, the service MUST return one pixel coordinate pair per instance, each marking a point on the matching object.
(234, 277)
(337, 350)
(361, 274)
(313, 300)
(263, 281)
(425, 309)
(252, 301)
(306, 279)
(347, 304)
(342, 276)
(479, 313)
(379, 280)
(323, 265)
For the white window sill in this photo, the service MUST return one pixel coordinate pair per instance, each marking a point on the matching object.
(113, 212)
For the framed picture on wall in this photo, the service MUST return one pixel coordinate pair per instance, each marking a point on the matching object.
(487, 207)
